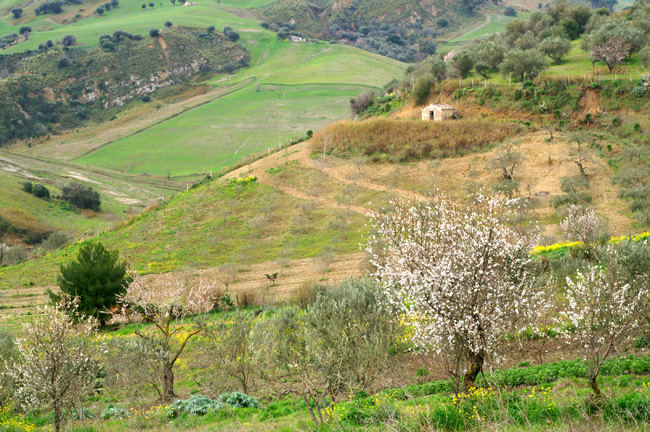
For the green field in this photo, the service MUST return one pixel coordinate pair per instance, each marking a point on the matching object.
(121, 195)
(496, 23)
(291, 88)
(297, 87)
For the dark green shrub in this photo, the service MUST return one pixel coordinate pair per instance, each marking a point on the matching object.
(41, 191)
(80, 196)
(423, 88)
(96, 277)
(28, 187)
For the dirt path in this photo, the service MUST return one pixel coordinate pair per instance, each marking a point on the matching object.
(339, 171)
(163, 46)
(297, 152)
(480, 26)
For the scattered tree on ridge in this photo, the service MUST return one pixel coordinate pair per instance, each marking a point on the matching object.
(25, 31)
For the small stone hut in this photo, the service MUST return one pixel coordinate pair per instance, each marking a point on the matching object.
(438, 112)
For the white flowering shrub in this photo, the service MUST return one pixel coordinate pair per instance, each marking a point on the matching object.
(580, 224)
(175, 308)
(600, 312)
(57, 365)
(460, 275)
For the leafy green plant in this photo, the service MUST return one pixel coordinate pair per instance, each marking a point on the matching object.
(114, 412)
(196, 404)
(239, 400)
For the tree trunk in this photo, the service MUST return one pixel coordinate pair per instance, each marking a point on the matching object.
(594, 385)
(57, 417)
(475, 368)
(310, 409)
(168, 382)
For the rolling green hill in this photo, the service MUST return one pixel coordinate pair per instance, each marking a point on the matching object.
(212, 121)
(62, 87)
(296, 87)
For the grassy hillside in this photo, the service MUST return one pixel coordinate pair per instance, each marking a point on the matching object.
(180, 134)
(306, 205)
(77, 83)
(401, 29)
(297, 87)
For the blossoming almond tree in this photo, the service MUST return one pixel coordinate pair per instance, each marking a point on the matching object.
(57, 365)
(601, 311)
(175, 309)
(460, 274)
(580, 224)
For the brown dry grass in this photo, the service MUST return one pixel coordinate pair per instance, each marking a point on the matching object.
(409, 139)
(23, 224)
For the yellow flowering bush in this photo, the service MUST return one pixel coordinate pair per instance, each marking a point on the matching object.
(243, 181)
(13, 423)
(365, 409)
(614, 240)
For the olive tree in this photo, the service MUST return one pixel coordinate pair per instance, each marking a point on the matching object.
(460, 274)
(555, 47)
(341, 343)
(507, 159)
(229, 349)
(523, 63)
(463, 61)
(8, 354)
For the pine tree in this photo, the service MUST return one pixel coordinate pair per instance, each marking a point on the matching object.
(96, 277)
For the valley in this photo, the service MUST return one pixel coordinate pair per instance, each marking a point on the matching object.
(245, 216)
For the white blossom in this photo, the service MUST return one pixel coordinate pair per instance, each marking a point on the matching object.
(57, 364)
(580, 224)
(459, 273)
(167, 303)
(600, 311)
